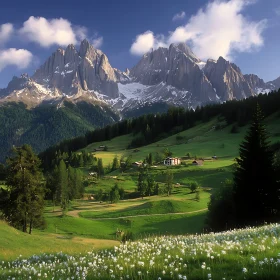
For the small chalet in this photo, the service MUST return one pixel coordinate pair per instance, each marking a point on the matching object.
(172, 161)
(137, 164)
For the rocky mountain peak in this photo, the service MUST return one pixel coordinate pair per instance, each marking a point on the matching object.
(254, 81)
(227, 79)
(173, 75)
(184, 48)
(84, 47)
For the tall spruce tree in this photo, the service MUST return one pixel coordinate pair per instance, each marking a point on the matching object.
(142, 181)
(168, 182)
(255, 190)
(25, 189)
(100, 167)
(62, 189)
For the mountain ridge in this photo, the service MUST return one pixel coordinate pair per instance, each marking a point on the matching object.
(174, 75)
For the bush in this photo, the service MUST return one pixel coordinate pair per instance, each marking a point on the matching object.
(194, 186)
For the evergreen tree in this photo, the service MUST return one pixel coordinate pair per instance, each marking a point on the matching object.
(168, 182)
(79, 184)
(114, 194)
(149, 159)
(142, 182)
(150, 185)
(100, 167)
(25, 189)
(256, 193)
(221, 214)
(115, 164)
(62, 185)
(73, 190)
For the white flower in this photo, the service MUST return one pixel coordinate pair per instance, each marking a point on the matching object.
(244, 270)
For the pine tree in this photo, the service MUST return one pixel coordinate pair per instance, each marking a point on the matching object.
(25, 188)
(62, 185)
(142, 182)
(255, 190)
(168, 182)
(150, 185)
(73, 190)
(114, 194)
(115, 164)
(100, 167)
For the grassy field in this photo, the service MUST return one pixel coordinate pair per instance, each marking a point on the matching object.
(14, 243)
(151, 215)
(239, 254)
(180, 213)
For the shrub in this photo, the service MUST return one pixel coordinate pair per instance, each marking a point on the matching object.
(194, 186)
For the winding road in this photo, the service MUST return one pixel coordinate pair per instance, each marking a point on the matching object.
(75, 213)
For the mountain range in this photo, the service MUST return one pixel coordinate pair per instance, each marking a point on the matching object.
(170, 76)
(77, 90)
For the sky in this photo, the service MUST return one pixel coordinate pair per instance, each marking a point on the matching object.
(245, 32)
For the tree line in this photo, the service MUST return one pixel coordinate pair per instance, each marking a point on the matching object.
(150, 128)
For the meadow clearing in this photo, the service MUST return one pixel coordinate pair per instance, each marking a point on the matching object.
(166, 229)
(251, 253)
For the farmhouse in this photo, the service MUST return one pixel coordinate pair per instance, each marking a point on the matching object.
(137, 164)
(171, 161)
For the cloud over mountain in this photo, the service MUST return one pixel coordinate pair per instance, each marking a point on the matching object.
(147, 41)
(47, 32)
(6, 30)
(19, 57)
(218, 29)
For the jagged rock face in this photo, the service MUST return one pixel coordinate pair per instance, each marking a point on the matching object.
(275, 84)
(254, 81)
(177, 67)
(173, 76)
(17, 83)
(71, 71)
(227, 80)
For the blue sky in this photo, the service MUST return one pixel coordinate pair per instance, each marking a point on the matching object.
(243, 31)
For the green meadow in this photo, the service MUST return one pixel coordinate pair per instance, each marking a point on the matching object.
(90, 224)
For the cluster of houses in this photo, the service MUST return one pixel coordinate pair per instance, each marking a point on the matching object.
(170, 161)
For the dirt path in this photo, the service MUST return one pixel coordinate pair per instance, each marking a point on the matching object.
(75, 213)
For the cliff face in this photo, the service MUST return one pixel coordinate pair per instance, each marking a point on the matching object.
(71, 71)
(173, 76)
(177, 67)
(227, 80)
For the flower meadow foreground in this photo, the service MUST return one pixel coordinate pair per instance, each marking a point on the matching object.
(252, 253)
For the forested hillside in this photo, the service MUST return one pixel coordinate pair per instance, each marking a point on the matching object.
(47, 125)
(150, 128)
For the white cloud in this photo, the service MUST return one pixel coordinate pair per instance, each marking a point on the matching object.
(47, 32)
(219, 29)
(147, 41)
(19, 57)
(97, 42)
(6, 30)
(179, 16)
(277, 11)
